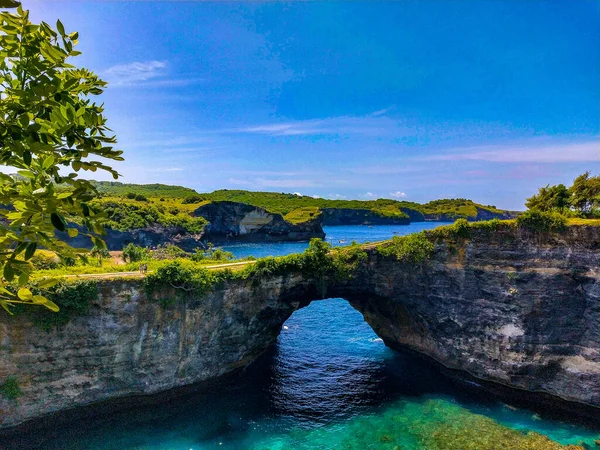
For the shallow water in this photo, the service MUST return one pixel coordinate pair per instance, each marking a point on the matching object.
(328, 383)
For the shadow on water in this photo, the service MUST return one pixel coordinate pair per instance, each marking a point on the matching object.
(327, 368)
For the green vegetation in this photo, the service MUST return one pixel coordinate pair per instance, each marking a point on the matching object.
(177, 280)
(10, 389)
(457, 208)
(125, 214)
(130, 206)
(303, 214)
(74, 298)
(414, 248)
(117, 189)
(49, 130)
(286, 203)
(541, 221)
(582, 199)
(134, 253)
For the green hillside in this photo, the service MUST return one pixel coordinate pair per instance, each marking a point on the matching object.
(135, 205)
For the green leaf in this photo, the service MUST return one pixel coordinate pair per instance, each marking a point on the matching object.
(58, 222)
(60, 27)
(9, 4)
(47, 283)
(23, 279)
(51, 306)
(31, 247)
(9, 272)
(27, 157)
(25, 294)
(72, 232)
(48, 162)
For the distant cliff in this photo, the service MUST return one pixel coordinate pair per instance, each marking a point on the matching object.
(242, 222)
(348, 216)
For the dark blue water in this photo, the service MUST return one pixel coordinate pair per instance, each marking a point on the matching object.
(328, 383)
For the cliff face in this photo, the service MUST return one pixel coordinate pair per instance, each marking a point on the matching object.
(347, 216)
(239, 221)
(507, 306)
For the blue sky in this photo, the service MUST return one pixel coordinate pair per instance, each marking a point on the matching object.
(414, 100)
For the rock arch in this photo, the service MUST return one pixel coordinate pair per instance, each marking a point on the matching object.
(504, 306)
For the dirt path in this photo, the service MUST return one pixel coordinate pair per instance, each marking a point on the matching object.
(137, 274)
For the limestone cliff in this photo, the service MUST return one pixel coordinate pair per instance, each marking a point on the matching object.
(239, 221)
(506, 306)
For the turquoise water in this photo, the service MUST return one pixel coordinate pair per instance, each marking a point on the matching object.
(328, 383)
(340, 235)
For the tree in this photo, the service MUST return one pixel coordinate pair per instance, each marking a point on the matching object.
(134, 253)
(50, 131)
(585, 193)
(550, 198)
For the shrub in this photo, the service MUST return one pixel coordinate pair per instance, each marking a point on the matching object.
(141, 198)
(131, 195)
(168, 251)
(175, 281)
(10, 389)
(193, 199)
(346, 260)
(73, 298)
(541, 222)
(134, 253)
(461, 228)
(221, 255)
(413, 248)
(43, 259)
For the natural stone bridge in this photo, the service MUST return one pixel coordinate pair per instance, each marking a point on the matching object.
(506, 306)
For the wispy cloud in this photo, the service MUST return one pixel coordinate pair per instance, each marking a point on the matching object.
(337, 197)
(342, 125)
(135, 72)
(526, 153)
(259, 183)
(397, 194)
(165, 169)
(369, 195)
(382, 112)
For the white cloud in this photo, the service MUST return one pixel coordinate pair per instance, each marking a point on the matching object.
(343, 125)
(397, 194)
(382, 112)
(369, 195)
(316, 196)
(298, 194)
(135, 72)
(532, 152)
(274, 183)
(337, 197)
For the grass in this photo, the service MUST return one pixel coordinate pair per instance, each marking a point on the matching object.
(304, 214)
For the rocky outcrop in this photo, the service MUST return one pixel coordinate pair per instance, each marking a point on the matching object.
(348, 216)
(239, 221)
(505, 306)
(152, 236)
